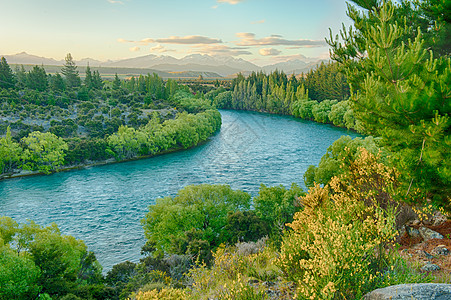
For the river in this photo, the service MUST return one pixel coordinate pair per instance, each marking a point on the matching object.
(103, 205)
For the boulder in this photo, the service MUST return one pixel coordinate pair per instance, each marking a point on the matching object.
(440, 250)
(413, 232)
(428, 234)
(423, 254)
(439, 219)
(417, 291)
(430, 267)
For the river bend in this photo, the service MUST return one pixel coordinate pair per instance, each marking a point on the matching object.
(104, 205)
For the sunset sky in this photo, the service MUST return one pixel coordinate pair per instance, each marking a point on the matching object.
(260, 31)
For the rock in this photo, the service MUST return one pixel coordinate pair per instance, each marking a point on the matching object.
(440, 250)
(439, 219)
(413, 232)
(430, 267)
(424, 254)
(428, 234)
(417, 291)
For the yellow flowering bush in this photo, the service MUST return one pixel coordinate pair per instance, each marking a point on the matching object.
(336, 246)
(163, 294)
(229, 276)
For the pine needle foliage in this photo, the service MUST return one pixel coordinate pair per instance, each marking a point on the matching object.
(401, 92)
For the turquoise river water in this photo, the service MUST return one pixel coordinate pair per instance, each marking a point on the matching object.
(103, 205)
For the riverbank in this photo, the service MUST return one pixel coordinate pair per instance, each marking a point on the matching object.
(17, 173)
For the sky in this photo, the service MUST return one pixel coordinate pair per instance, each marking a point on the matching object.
(260, 31)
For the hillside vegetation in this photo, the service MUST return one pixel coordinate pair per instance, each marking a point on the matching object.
(339, 240)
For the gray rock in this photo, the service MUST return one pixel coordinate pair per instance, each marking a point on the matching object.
(430, 267)
(413, 232)
(417, 291)
(423, 254)
(440, 250)
(428, 234)
(439, 218)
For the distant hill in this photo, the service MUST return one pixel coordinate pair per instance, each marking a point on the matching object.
(29, 59)
(167, 66)
(109, 72)
(295, 66)
(195, 62)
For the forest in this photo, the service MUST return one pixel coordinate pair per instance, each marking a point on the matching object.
(341, 239)
(321, 95)
(52, 121)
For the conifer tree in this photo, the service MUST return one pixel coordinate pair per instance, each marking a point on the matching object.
(97, 80)
(37, 79)
(57, 83)
(116, 82)
(70, 71)
(7, 79)
(21, 76)
(401, 93)
(89, 81)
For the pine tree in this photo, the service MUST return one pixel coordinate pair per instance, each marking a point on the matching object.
(97, 81)
(57, 83)
(7, 79)
(89, 81)
(401, 93)
(37, 79)
(70, 71)
(21, 76)
(116, 82)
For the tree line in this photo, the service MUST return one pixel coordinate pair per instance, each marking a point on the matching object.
(321, 95)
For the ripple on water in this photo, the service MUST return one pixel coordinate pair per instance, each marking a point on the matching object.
(104, 205)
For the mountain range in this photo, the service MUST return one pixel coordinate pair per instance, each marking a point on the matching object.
(222, 65)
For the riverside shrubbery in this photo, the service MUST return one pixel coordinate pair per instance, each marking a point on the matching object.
(337, 246)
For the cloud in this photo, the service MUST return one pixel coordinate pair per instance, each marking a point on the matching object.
(220, 50)
(259, 22)
(124, 41)
(233, 2)
(134, 49)
(115, 2)
(248, 39)
(186, 40)
(161, 49)
(191, 39)
(269, 52)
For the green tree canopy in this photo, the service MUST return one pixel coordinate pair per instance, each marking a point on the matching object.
(43, 151)
(10, 152)
(196, 210)
(54, 262)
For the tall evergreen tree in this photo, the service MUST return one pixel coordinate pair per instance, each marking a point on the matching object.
(70, 71)
(97, 80)
(7, 79)
(401, 93)
(89, 81)
(57, 83)
(116, 82)
(21, 76)
(37, 79)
